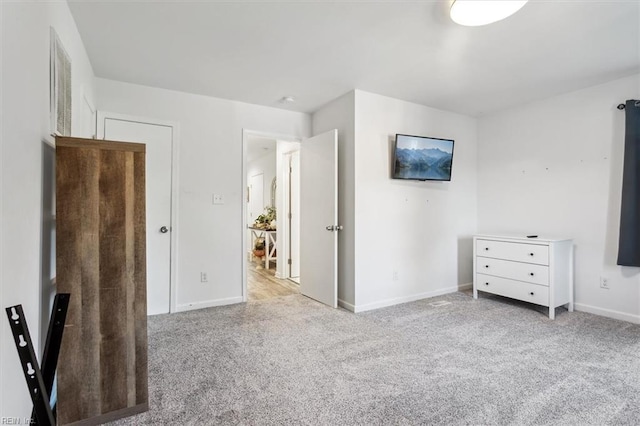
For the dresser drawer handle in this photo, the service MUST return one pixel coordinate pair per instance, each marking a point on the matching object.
(531, 293)
(531, 273)
(530, 254)
(486, 283)
(486, 266)
(486, 248)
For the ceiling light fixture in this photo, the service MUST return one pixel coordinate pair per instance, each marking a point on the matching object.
(473, 13)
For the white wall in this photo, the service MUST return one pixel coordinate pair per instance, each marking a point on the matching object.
(418, 232)
(27, 170)
(555, 167)
(210, 161)
(340, 114)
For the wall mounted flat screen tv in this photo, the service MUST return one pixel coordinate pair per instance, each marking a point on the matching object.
(422, 158)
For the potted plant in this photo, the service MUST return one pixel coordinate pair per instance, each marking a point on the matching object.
(267, 220)
(258, 247)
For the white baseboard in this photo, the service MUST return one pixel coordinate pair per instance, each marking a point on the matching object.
(609, 313)
(208, 304)
(345, 305)
(406, 299)
(466, 286)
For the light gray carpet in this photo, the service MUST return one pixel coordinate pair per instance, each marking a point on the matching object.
(489, 361)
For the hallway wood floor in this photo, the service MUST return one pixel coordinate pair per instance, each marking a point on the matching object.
(262, 283)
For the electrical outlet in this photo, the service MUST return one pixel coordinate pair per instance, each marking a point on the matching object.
(604, 283)
(218, 199)
(203, 277)
(395, 275)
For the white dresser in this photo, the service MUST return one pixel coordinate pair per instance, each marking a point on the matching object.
(536, 270)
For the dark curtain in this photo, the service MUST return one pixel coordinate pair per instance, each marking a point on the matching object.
(629, 244)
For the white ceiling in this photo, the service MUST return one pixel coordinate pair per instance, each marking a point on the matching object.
(260, 51)
(258, 147)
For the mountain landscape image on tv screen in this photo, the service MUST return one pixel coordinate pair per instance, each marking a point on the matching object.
(422, 158)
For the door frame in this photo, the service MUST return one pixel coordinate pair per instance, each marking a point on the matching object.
(175, 142)
(246, 133)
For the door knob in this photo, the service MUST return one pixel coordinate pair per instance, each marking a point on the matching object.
(164, 229)
(330, 228)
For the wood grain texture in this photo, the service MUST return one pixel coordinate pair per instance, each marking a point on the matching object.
(140, 277)
(77, 273)
(101, 261)
(100, 144)
(113, 279)
(129, 206)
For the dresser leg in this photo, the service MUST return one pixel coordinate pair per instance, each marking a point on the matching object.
(570, 306)
(552, 313)
(475, 293)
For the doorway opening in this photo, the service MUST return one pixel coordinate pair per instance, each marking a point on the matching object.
(271, 219)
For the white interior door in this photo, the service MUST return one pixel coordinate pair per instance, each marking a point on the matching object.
(319, 218)
(158, 140)
(294, 210)
(256, 197)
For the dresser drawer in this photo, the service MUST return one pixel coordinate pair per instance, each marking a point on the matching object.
(527, 292)
(528, 272)
(520, 252)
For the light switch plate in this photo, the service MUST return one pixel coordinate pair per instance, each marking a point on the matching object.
(218, 199)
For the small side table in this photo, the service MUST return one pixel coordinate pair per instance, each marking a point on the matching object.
(269, 243)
